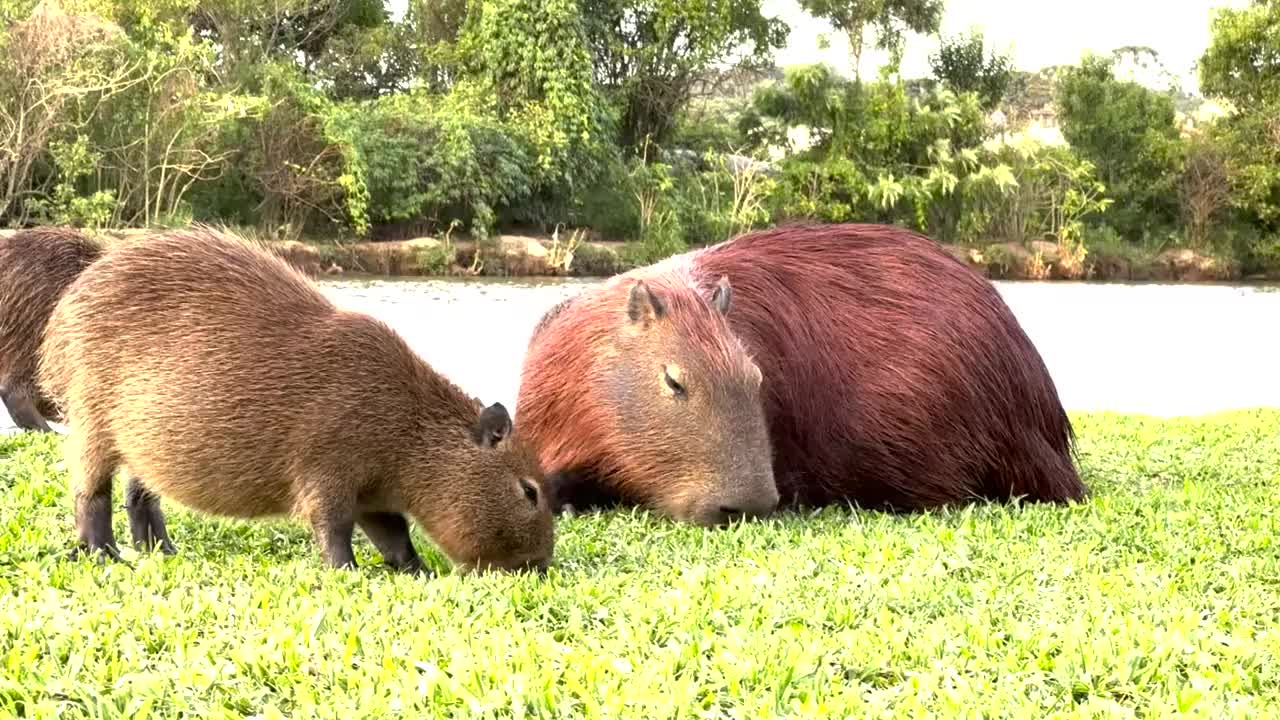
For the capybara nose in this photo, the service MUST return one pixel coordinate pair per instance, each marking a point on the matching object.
(741, 508)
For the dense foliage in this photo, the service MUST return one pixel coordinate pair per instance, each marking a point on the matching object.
(660, 123)
(1242, 65)
(965, 65)
(1129, 133)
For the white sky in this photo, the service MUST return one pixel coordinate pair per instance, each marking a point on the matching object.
(1036, 32)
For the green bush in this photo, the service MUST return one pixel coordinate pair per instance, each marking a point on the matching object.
(877, 154)
(833, 190)
(1257, 251)
(528, 63)
(1129, 133)
(595, 261)
(424, 159)
(303, 160)
(609, 206)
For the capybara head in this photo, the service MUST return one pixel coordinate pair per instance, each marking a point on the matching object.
(686, 399)
(494, 512)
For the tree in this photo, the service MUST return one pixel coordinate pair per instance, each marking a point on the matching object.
(890, 20)
(1204, 189)
(1129, 133)
(650, 56)
(55, 71)
(1242, 65)
(249, 33)
(963, 65)
(527, 62)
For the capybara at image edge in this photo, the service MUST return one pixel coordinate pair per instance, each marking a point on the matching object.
(228, 382)
(894, 377)
(36, 266)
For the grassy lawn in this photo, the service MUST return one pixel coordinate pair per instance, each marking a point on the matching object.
(1159, 597)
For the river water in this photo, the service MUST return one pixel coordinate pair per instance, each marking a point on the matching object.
(1158, 349)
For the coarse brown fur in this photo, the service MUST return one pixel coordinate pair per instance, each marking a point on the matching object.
(36, 266)
(894, 377)
(229, 383)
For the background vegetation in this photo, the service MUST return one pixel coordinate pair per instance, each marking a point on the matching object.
(660, 123)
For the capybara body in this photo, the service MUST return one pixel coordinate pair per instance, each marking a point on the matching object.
(228, 382)
(36, 267)
(894, 377)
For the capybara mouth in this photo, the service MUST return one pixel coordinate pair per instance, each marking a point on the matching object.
(729, 508)
(537, 566)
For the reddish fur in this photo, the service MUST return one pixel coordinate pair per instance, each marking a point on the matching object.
(570, 360)
(894, 376)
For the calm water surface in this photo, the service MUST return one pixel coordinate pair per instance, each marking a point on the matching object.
(1159, 349)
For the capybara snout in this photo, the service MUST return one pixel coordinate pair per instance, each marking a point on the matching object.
(720, 509)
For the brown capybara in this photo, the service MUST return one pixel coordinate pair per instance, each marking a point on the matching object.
(36, 266)
(228, 382)
(894, 377)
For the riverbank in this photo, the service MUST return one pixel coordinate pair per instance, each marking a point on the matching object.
(1156, 597)
(528, 255)
(543, 255)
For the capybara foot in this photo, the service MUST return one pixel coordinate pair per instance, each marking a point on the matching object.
(93, 519)
(146, 522)
(389, 532)
(22, 409)
(99, 553)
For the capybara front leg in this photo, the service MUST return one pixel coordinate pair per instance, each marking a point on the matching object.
(578, 491)
(146, 522)
(389, 532)
(22, 408)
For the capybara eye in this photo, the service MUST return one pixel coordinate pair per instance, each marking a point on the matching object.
(530, 491)
(674, 384)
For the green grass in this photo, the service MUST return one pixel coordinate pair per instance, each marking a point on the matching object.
(1159, 597)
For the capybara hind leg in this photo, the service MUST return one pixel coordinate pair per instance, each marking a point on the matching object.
(22, 408)
(91, 483)
(146, 522)
(389, 532)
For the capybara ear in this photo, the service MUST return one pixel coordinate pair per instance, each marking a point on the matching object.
(494, 425)
(722, 295)
(643, 306)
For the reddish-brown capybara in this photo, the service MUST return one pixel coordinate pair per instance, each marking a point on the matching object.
(36, 266)
(228, 382)
(894, 377)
